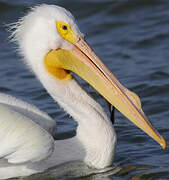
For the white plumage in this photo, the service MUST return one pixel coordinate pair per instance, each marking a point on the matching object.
(29, 147)
(52, 46)
(26, 133)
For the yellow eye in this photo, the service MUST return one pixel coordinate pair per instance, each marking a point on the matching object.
(65, 31)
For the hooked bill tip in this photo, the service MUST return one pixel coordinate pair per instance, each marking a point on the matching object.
(163, 143)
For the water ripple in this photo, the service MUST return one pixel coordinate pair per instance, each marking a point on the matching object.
(132, 39)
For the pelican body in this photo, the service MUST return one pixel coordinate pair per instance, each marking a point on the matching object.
(52, 47)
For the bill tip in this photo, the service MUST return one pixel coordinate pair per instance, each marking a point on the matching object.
(163, 143)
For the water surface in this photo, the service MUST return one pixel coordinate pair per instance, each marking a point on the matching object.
(132, 38)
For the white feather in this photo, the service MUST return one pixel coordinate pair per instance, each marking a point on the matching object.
(26, 132)
(29, 111)
(21, 139)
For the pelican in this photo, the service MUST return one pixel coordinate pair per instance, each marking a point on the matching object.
(53, 47)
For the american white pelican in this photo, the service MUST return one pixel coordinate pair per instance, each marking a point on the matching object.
(53, 46)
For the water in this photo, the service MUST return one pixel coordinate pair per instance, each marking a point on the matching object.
(132, 39)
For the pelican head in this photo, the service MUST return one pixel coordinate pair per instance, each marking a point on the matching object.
(52, 45)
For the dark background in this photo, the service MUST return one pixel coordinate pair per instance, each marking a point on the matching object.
(132, 38)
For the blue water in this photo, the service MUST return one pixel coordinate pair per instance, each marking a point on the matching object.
(132, 38)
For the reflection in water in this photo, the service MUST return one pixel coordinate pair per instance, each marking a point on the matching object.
(79, 171)
(132, 38)
(75, 170)
(142, 172)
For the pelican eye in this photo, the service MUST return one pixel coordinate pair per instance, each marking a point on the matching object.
(64, 27)
(65, 31)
